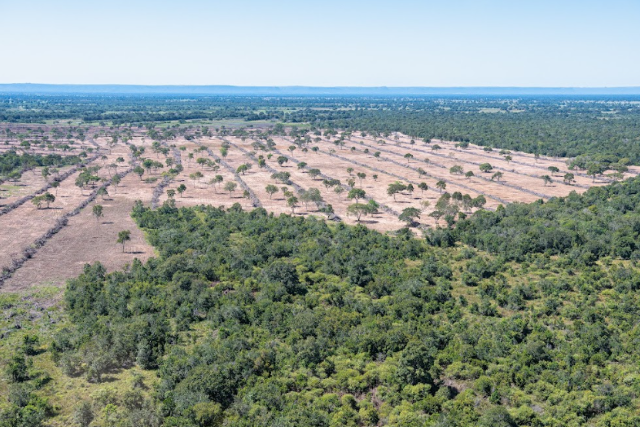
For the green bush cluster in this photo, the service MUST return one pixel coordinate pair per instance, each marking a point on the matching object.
(252, 319)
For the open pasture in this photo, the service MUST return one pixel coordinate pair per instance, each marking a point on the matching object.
(324, 176)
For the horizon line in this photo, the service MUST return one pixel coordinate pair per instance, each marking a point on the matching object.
(300, 90)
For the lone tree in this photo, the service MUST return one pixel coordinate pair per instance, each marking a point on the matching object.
(55, 184)
(423, 187)
(361, 176)
(47, 198)
(282, 160)
(171, 193)
(356, 193)
(456, 170)
(395, 188)
(271, 190)
(230, 186)
(486, 167)
(215, 181)
(568, 178)
(469, 174)
(408, 156)
(123, 237)
(97, 212)
(547, 179)
(196, 176)
(115, 181)
(358, 210)
(139, 170)
(314, 173)
(37, 201)
(181, 189)
(496, 176)
(409, 215)
(292, 202)
(441, 185)
(553, 169)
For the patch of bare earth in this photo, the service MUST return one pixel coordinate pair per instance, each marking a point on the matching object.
(83, 240)
(87, 240)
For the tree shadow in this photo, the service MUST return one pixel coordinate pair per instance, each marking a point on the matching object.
(107, 379)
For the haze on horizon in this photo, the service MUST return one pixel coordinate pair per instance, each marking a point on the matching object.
(332, 43)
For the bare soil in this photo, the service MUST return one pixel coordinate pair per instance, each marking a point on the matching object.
(87, 240)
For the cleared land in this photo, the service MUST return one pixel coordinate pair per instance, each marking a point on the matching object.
(85, 239)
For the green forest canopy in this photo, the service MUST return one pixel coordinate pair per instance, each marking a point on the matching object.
(252, 319)
(547, 125)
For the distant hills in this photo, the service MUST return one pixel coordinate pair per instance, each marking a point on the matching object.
(32, 88)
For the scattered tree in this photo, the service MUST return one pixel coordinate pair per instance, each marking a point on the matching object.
(98, 212)
(271, 190)
(230, 187)
(409, 215)
(486, 167)
(356, 193)
(568, 178)
(456, 170)
(292, 202)
(181, 189)
(361, 176)
(395, 188)
(314, 173)
(123, 237)
(423, 187)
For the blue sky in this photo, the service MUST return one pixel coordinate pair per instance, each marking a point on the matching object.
(322, 43)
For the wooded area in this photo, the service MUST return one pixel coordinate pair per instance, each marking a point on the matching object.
(260, 305)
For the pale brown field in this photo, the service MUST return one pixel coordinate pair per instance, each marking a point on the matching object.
(85, 239)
